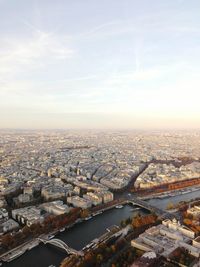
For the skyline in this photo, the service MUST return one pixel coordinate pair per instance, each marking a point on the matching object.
(99, 64)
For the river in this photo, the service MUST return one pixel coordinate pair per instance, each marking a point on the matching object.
(162, 203)
(76, 237)
(81, 234)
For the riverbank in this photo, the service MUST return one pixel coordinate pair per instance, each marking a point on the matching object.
(19, 251)
(82, 233)
(78, 237)
(27, 246)
(171, 193)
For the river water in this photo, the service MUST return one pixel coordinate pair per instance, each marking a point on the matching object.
(162, 203)
(81, 234)
(76, 237)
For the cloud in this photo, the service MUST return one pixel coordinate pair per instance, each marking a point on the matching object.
(34, 52)
(99, 28)
(143, 74)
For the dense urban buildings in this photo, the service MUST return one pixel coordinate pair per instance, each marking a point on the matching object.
(99, 133)
(50, 180)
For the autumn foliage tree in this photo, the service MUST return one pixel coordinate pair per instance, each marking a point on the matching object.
(139, 221)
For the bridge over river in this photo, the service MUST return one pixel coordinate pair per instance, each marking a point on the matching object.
(129, 199)
(62, 245)
(144, 204)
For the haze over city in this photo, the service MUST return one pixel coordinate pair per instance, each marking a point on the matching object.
(99, 64)
(99, 133)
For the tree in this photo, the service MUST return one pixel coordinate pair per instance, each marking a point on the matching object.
(84, 213)
(26, 231)
(170, 206)
(123, 223)
(7, 241)
(99, 258)
(128, 221)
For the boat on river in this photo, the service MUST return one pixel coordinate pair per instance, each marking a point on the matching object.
(12, 256)
(88, 218)
(119, 207)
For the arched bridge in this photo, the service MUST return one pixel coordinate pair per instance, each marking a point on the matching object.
(61, 244)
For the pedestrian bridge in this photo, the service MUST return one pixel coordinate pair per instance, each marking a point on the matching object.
(62, 245)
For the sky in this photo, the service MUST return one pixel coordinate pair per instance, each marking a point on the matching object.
(100, 64)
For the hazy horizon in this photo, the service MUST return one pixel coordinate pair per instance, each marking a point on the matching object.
(100, 64)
